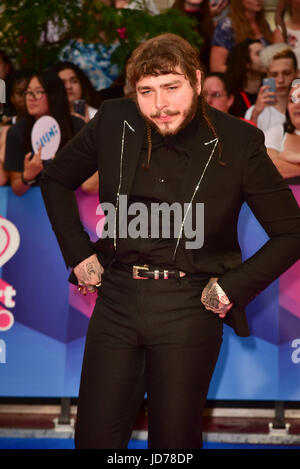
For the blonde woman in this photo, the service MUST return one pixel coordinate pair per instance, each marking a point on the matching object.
(246, 20)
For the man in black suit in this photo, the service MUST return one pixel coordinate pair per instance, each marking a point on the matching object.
(165, 145)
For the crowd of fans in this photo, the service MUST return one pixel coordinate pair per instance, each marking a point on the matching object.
(239, 51)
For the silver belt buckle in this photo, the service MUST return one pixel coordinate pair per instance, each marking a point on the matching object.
(135, 270)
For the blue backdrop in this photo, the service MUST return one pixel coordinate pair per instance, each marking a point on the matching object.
(43, 319)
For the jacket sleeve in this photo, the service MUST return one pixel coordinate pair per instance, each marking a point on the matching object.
(276, 209)
(75, 163)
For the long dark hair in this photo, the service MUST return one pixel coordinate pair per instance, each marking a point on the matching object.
(288, 125)
(5, 58)
(205, 25)
(241, 25)
(89, 93)
(58, 107)
(237, 62)
(17, 77)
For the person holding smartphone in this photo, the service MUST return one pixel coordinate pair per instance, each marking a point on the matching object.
(245, 72)
(270, 106)
(84, 102)
(83, 99)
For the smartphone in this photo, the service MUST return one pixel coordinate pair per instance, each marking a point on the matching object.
(79, 106)
(270, 82)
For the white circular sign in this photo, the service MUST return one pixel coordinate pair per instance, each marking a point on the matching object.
(46, 135)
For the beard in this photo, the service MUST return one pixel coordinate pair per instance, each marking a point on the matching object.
(166, 129)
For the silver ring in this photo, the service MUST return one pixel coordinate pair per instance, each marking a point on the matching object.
(98, 285)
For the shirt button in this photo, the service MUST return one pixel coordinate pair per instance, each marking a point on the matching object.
(161, 179)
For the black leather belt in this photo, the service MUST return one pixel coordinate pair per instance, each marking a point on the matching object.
(146, 272)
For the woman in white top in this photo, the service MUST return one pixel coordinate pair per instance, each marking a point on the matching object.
(78, 86)
(283, 141)
(270, 108)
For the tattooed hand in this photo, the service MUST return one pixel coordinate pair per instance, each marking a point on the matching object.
(88, 274)
(214, 298)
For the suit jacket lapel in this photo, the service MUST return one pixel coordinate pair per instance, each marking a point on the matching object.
(131, 145)
(203, 150)
(133, 132)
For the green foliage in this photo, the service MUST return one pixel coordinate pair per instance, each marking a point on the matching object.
(130, 27)
(24, 22)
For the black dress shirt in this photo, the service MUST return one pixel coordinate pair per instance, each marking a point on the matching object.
(160, 183)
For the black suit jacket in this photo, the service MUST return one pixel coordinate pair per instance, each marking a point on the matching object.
(111, 143)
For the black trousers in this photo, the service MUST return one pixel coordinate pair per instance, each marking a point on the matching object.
(153, 330)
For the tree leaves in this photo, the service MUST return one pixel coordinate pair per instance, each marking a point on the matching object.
(24, 26)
